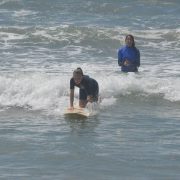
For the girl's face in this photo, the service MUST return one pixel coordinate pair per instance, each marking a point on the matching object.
(129, 41)
(77, 78)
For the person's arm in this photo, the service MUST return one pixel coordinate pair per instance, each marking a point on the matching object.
(92, 90)
(138, 58)
(120, 61)
(88, 88)
(71, 98)
(71, 93)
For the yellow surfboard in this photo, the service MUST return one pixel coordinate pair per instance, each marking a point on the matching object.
(76, 112)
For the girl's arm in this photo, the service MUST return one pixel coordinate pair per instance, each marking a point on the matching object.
(120, 61)
(71, 98)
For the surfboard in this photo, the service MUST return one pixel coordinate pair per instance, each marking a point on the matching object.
(77, 112)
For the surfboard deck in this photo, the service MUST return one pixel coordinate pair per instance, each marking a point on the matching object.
(76, 112)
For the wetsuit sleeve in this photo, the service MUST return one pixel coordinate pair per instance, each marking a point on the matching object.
(72, 84)
(120, 60)
(138, 58)
(87, 83)
(92, 87)
(89, 89)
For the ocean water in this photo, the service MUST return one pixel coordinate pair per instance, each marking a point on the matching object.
(135, 132)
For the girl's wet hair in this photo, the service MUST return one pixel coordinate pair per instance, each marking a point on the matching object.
(132, 37)
(78, 71)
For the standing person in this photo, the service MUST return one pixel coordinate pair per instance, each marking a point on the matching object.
(129, 56)
(88, 88)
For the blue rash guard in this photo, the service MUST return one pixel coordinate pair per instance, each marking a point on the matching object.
(88, 87)
(132, 54)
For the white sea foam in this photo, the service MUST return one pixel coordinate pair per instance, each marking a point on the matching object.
(7, 1)
(36, 91)
(48, 89)
(23, 12)
(50, 92)
(75, 39)
(9, 36)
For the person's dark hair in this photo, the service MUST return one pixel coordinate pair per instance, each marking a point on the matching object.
(132, 37)
(78, 71)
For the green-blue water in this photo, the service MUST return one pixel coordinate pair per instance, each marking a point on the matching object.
(135, 133)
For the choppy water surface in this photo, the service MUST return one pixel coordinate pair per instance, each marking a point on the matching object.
(135, 132)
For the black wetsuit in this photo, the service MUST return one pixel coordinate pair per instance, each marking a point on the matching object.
(88, 87)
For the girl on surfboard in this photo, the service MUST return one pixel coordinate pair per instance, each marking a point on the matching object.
(88, 88)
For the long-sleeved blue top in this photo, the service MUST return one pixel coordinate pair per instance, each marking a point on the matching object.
(131, 54)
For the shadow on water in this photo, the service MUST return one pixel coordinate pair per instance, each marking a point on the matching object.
(80, 123)
(75, 117)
